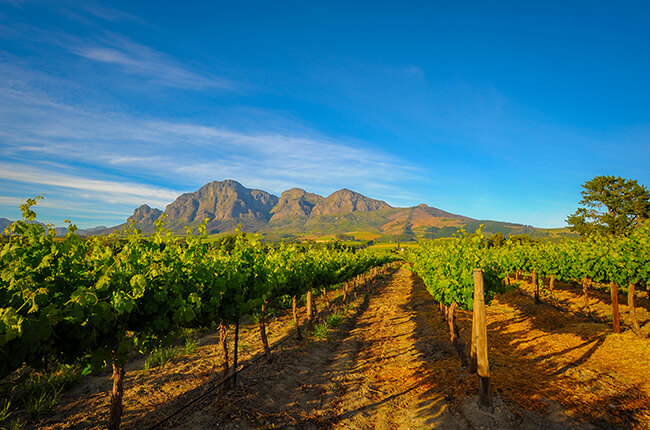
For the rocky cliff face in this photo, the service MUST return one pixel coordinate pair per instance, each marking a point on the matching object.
(346, 201)
(221, 201)
(295, 203)
(145, 215)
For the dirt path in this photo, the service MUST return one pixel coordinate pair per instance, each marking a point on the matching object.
(389, 366)
(372, 373)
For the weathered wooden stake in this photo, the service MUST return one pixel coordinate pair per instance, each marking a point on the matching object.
(265, 342)
(616, 316)
(630, 303)
(454, 334)
(483, 365)
(296, 321)
(346, 286)
(535, 285)
(117, 393)
(472, 355)
(234, 361)
(223, 333)
(551, 284)
(310, 313)
(585, 288)
(327, 300)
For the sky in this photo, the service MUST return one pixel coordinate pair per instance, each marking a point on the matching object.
(493, 110)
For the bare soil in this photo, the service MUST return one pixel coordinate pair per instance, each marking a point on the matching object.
(389, 364)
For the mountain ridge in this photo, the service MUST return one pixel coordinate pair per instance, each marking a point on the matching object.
(297, 213)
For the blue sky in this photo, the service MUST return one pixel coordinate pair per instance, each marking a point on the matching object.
(496, 110)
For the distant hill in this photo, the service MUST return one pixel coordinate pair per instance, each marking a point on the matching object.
(300, 214)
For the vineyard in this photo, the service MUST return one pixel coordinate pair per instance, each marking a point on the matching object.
(598, 265)
(622, 263)
(98, 299)
(370, 342)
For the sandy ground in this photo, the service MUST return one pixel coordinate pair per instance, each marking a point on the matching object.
(389, 364)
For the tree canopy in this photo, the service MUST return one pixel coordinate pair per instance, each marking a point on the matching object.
(610, 205)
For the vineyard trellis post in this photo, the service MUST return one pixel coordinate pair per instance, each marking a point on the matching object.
(472, 354)
(585, 287)
(296, 321)
(630, 303)
(551, 286)
(479, 339)
(234, 364)
(310, 313)
(223, 333)
(117, 392)
(616, 319)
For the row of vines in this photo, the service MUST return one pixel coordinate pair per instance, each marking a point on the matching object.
(446, 266)
(466, 271)
(99, 298)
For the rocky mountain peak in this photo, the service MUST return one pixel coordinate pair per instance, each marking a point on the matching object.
(222, 200)
(145, 215)
(295, 202)
(344, 201)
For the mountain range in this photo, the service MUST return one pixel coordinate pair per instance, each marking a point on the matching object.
(298, 214)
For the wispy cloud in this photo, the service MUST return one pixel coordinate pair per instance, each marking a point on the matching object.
(32, 124)
(106, 48)
(111, 191)
(136, 59)
(107, 155)
(107, 13)
(89, 208)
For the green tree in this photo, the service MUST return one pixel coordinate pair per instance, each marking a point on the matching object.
(611, 205)
(497, 240)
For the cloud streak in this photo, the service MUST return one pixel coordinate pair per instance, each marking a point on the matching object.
(112, 191)
(33, 124)
(158, 68)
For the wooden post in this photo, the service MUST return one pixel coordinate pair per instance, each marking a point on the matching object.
(234, 361)
(223, 333)
(454, 334)
(310, 313)
(346, 286)
(262, 324)
(551, 284)
(535, 285)
(472, 355)
(117, 393)
(630, 303)
(616, 317)
(327, 300)
(585, 287)
(296, 321)
(483, 365)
